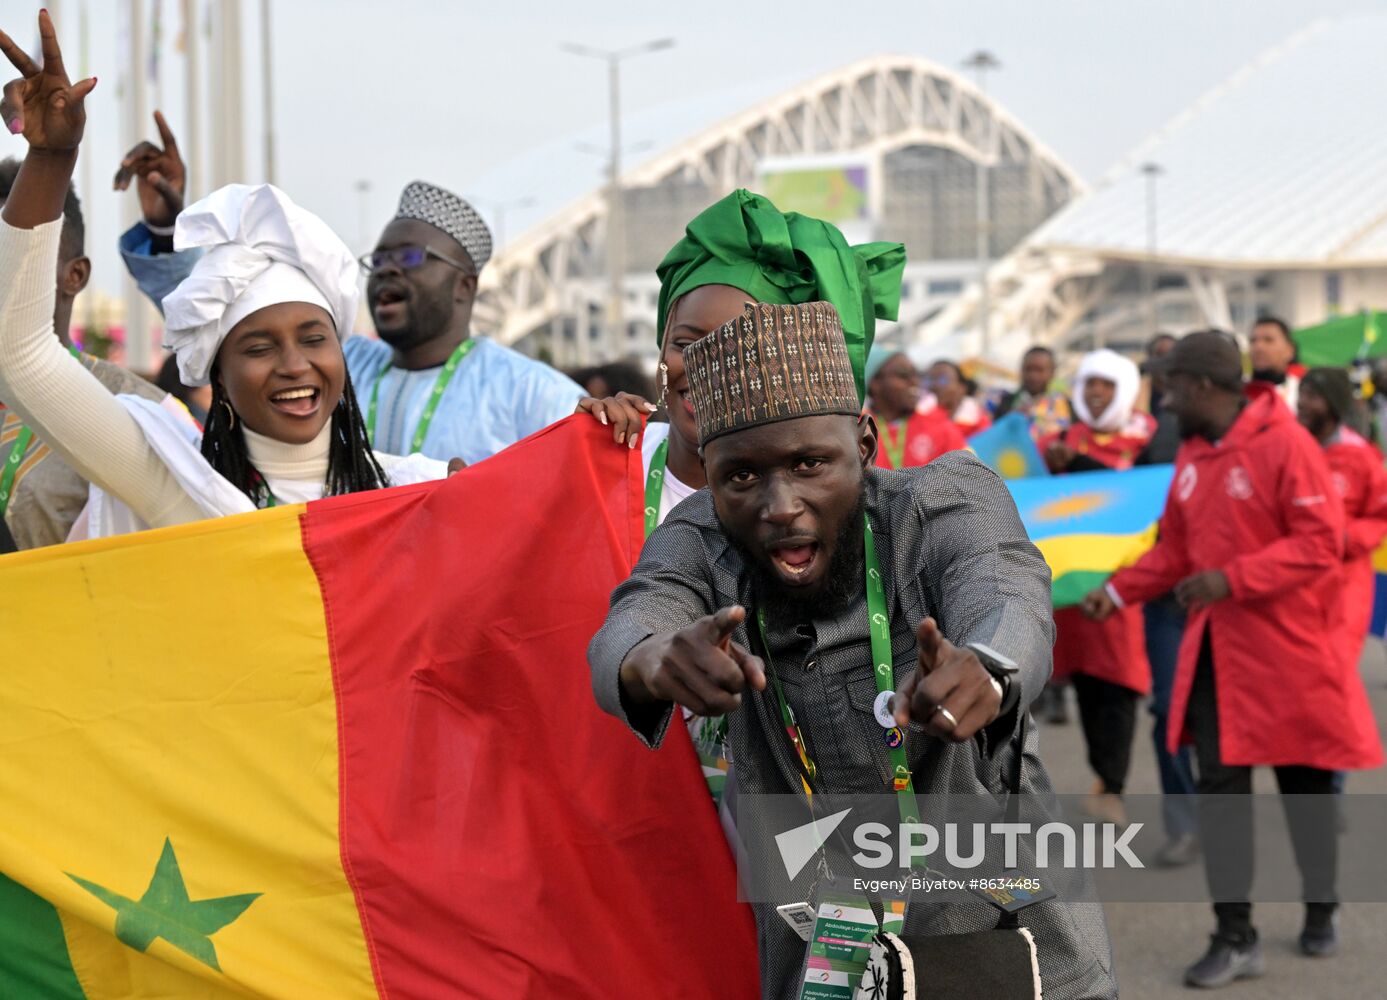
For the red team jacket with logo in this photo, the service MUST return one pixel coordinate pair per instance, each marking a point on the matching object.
(927, 436)
(1355, 468)
(1261, 506)
(1112, 650)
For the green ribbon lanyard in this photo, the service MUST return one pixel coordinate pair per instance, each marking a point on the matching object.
(655, 486)
(16, 456)
(879, 626)
(426, 418)
(894, 443)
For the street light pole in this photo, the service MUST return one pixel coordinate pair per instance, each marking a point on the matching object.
(498, 210)
(980, 62)
(616, 221)
(1153, 172)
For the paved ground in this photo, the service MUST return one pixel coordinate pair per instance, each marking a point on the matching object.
(1155, 941)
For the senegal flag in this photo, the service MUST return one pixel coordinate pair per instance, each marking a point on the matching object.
(350, 749)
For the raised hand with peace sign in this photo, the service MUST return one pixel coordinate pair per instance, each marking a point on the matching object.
(49, 110)
(160, 176)
(51, 113)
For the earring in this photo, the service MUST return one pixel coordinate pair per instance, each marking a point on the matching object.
(230, 415)
(664, 384)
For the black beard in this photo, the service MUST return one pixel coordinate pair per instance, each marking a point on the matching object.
(842, 584)
(426, 318)
(1268, 375)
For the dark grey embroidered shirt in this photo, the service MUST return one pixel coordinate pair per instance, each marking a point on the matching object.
(951, 545)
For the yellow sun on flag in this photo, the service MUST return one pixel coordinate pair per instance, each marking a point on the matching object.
(1068, 507)
(1011, 464)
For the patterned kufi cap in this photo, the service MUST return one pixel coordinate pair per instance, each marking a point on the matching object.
(774, 362)
(446, 211)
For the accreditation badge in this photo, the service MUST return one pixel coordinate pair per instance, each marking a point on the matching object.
(840, 945)
(841, 941)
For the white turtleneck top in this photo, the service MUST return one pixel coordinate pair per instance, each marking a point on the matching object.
(75, 416)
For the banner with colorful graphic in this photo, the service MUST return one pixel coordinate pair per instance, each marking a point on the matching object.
(1087, 525)
(350, 749)
(1008, 448)
(1090, 524)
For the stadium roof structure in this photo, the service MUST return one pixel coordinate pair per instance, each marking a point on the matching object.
(1280, 167)
(875, 105)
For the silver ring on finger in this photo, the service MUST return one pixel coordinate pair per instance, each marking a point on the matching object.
(941, 710)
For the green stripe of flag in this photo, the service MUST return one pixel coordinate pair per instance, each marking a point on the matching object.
(33, 949)
(1069, 589)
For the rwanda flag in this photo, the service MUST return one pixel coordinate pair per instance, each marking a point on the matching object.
(1088, 525)
(1007, 446)
(350, 750)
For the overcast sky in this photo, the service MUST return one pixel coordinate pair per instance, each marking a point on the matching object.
(452, 91)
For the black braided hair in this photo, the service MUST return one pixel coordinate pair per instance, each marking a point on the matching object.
(351, 464)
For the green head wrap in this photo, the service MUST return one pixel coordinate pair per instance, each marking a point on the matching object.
(786, 259)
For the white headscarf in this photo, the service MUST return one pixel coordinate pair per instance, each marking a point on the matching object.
(1115, 368)
(262, 249)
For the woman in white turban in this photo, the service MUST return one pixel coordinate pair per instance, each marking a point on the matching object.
(1106, 660)
(260, 318)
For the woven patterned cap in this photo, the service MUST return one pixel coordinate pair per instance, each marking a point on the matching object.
(446, 211)
(771, 363)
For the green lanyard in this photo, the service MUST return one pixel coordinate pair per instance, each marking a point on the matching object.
(879, 629)
(426, 418)
(895, 443)
(655, 486)
(16, 456)
(12, 463)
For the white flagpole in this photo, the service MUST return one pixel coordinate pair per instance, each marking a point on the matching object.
(139, 353)
(191, 127)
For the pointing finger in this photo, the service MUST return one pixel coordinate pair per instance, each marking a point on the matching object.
(166, 134)
(725, 622)
(930, 642)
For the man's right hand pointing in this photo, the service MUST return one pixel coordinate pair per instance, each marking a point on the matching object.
(699, 667)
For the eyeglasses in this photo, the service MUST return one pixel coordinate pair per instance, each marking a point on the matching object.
(406, 258)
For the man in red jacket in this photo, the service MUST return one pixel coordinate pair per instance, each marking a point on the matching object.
(1251, 542)
(1355, 465)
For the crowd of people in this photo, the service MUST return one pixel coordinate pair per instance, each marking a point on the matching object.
(783, 453)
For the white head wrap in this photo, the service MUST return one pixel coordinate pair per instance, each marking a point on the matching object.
(262, 249)
(1115, 368)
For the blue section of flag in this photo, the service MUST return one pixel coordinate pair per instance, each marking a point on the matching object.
(1092, 503)
(1379, 622)
(1007, 446)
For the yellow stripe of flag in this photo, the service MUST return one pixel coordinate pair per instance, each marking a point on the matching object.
(235, 764)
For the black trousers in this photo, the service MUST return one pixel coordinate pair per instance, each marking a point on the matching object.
(1108, 713)
(1225, 816)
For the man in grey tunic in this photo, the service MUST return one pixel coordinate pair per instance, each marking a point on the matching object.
(780, 529)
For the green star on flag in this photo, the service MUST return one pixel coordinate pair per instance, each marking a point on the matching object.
(165, 911)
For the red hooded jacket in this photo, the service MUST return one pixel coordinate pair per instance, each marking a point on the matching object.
(926, 437)
(1260, 506)
(1356, 470)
